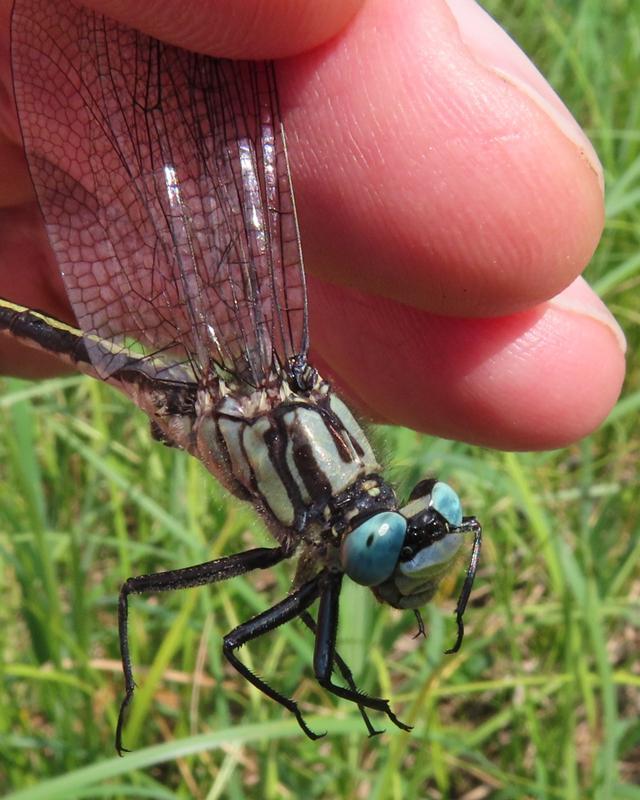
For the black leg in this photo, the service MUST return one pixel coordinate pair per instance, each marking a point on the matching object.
(199, 575)
(289, 608)
(468, 524)
(344, 671)
(325, 651)
(420, 621)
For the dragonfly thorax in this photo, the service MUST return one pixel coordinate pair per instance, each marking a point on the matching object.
(301, 457)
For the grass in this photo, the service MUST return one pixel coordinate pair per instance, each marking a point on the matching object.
(542, 701)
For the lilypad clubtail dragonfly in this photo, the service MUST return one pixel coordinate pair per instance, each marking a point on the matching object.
(164, 185)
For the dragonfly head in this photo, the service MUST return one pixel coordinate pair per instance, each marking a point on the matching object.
(403, 555)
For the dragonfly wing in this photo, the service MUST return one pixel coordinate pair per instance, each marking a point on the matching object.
(163, 182)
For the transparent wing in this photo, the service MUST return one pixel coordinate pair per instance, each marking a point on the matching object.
(164, 185)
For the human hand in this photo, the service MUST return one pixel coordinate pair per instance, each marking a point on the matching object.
(444, 196)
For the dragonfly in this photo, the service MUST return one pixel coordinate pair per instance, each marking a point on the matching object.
(163, 180)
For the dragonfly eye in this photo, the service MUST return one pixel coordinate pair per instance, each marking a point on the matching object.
(447, 503)
(436, 495)
(369, 553)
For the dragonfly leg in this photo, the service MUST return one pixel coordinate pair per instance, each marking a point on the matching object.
(289, 608)
(325, 652)
(210, 572)
(468, 524)
(344, 671)
(421, 629)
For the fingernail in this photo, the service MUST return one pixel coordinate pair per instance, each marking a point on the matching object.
(493, 48)
(579, 298)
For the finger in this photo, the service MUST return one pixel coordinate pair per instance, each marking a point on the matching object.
(526, 381)
(15, 185)
(23, 243)
(224, 28)
(484, 210)
(253, 29)
(23, 247)
(435, 169)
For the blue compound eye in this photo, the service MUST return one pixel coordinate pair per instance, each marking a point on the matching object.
(369, 554)
(447, 503)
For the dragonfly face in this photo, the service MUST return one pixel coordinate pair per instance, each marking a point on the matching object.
(434, 537)
(403, 555)
(164, 185)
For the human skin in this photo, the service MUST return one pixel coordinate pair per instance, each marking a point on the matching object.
(447, 200)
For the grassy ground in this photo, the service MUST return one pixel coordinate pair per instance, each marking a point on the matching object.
(543, 700)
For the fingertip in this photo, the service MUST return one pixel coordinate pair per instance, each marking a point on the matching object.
(554, 382)
(493, 48)
(535, 380)
(424, 175)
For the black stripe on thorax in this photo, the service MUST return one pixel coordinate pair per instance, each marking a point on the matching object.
(276, 440)
(337, 430)
(316, 482)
